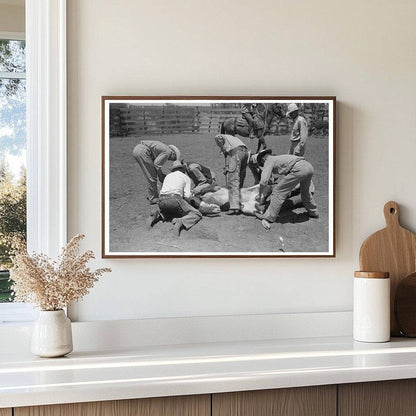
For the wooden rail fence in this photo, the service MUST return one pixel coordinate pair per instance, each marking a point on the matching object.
(138, 120)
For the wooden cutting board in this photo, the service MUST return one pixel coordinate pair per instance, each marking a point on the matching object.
(393, 250)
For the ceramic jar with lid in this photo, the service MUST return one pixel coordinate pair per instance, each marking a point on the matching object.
(371, 313)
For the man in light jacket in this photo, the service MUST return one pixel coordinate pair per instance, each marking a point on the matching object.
(236, 157)
(294, 170)
(299, 133)
(151, 155)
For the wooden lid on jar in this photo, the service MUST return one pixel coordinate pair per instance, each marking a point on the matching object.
(372, 275)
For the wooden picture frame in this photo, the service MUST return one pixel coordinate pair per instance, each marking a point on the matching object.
(191, 124)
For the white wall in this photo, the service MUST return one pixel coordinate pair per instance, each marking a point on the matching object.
(361, 51)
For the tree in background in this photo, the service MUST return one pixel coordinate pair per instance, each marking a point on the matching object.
(12, 222)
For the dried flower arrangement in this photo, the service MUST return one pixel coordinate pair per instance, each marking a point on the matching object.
(53, 285)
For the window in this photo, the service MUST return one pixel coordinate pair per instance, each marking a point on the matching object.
(12, 153)
(45, 27)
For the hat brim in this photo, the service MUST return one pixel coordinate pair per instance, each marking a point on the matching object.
(290, 112)
(260, 155)
(176, 151)
(182, 168)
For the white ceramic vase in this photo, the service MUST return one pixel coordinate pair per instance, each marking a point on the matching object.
(52, 334)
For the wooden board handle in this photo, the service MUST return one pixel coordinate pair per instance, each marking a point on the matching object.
(391, 214)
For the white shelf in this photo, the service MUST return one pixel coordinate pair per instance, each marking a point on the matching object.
(150, 371)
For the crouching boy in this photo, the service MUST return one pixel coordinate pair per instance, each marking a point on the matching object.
(173, 201)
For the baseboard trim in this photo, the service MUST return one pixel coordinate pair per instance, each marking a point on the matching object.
(103, 335)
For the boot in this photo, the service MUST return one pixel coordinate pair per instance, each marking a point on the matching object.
(265, 223)
(177, 228)
(154, 218)
(313, 214)
(233, 212)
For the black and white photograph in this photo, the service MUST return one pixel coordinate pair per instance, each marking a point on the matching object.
(218, 176)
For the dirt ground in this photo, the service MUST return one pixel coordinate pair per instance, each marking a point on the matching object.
(129, 209)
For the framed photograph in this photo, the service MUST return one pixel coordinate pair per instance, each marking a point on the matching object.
(218, 176)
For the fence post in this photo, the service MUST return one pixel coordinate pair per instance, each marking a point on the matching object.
(144, 119)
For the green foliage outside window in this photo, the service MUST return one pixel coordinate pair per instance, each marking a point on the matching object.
(12, 146)
(12, 223)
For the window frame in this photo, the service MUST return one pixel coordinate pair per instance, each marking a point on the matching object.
(12, 35)
(46, 137)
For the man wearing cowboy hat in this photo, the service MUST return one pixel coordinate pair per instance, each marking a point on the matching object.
(294, 170)
(299, 131)
(236, 157)
(175, 192)
(151, 155)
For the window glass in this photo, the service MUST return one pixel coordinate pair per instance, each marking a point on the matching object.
(12, 56)
(12, 156)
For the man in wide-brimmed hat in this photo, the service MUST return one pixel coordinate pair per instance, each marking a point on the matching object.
(173, 201)
(151, 155)
(294, 170)
(236, 157)
(299, 133)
